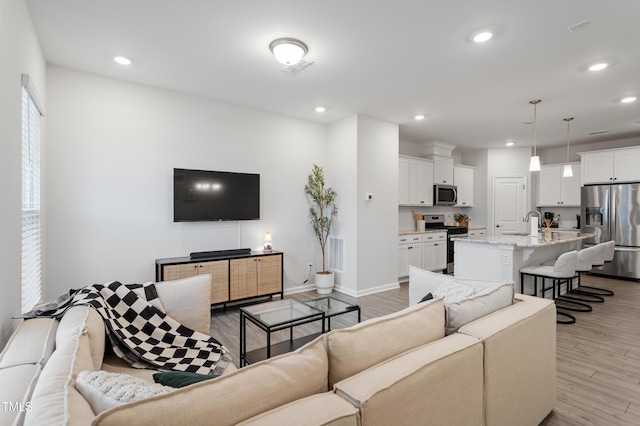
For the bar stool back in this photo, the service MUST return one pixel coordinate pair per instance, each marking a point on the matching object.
(563, 269)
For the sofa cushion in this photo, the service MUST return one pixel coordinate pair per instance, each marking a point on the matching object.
(357, 348)
(188, 301)
(232, 398)
(104, 390)
(55, 399)
(32, 342)
(84, 319)
(18, 384)
(327, 409)
(440, 383)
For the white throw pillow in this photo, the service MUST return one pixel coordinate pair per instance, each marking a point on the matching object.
(453, 292)
(188, 301)
(482, 303)
(104, 390)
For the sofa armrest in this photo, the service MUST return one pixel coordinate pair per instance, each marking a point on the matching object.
(520, 361)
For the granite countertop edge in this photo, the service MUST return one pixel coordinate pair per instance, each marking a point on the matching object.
(524, 241)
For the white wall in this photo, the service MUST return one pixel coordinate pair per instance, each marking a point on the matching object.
(378, 218)
(341, 172)
(363, 158)
(113, 147)
(19, 53)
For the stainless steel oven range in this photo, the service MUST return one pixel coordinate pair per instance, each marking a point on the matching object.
(436, 221)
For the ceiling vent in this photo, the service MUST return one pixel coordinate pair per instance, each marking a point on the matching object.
(597, 132)
(297, 67)
(580, 25)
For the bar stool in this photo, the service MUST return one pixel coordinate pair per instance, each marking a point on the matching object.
(603, 252)
(586, 259)
(563, 269)
(609, 250)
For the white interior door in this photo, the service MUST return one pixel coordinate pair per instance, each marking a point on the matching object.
(509, 204)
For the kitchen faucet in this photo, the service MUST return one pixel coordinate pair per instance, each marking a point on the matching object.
(526, 219)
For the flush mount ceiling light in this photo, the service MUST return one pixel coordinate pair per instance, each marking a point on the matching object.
(482, 37)
(320, 109)
(288, 51)
(568, 172)
(509, 144)
(534, 165)
(122, 60)
(628, 99)
(598, 67)
(419, 117)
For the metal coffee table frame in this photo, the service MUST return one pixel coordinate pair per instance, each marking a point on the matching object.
(272, 316)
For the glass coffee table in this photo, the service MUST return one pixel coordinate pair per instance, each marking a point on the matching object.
(283, 314)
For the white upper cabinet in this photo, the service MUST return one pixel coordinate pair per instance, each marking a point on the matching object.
(556, 190)
(611, 165)
(463, 178)
(443, 169)
(415, 182)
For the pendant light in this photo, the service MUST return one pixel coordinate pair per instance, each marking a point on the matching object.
(534, 165)
(568, 172)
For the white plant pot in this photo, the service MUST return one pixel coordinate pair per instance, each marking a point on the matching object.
(324, 283)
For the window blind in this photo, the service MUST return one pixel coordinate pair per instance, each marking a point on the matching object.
(31, 208)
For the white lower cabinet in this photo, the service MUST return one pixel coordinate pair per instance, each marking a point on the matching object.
(409, 253)
(426, 251)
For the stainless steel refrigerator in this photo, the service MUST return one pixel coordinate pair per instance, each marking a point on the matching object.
(612, 212)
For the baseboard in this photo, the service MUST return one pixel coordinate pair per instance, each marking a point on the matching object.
(343, 290)
(299, 289)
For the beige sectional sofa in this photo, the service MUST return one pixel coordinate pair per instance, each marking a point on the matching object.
(397, 369)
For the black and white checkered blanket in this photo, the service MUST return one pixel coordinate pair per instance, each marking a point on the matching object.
(139, 330)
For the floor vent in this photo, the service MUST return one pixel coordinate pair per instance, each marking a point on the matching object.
(336, 254)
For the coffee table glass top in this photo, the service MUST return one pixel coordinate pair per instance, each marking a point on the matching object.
(281, 311)
(331, 306)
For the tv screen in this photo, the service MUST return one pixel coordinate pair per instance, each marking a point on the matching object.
(200, 195)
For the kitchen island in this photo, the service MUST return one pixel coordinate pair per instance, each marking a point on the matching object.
(497, 258)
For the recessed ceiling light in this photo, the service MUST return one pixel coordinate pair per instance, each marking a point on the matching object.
(320, 109)
(482, 37)
(419, 117)
(598, 67)
(122, 60)
(509, 144)
(628, 99)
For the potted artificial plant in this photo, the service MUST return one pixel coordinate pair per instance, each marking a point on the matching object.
(322, 213)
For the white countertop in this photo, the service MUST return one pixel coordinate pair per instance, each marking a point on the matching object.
(413, 231)
(558, 237)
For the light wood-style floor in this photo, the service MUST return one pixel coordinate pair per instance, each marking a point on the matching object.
(598, 357)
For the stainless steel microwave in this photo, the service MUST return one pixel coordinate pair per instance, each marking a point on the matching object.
(445, 195)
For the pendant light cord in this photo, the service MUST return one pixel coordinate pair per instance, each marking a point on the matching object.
(535, 119)
(568, 120)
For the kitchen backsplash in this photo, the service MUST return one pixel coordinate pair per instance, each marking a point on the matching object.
(406, 221)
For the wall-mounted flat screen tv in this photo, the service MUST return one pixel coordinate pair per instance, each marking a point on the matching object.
(200, 195)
